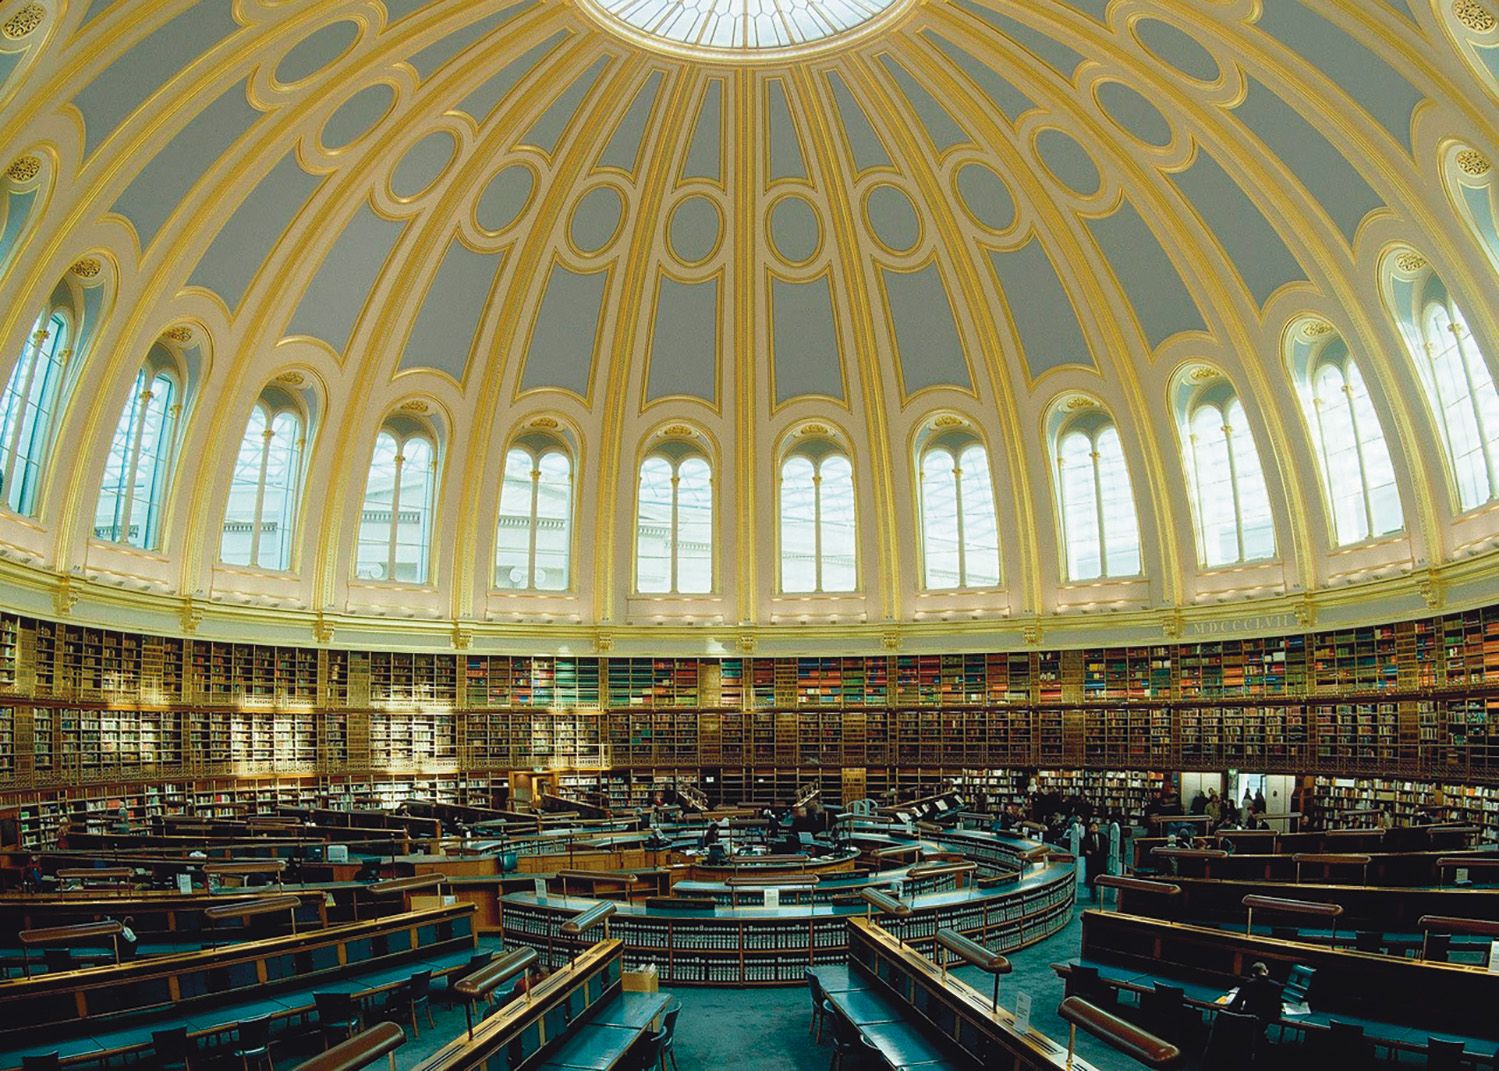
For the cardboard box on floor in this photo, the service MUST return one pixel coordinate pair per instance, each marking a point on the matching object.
(645, 980)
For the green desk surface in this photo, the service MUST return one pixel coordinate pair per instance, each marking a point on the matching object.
(902, 1045)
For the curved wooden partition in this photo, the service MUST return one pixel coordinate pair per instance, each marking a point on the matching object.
(717, 944)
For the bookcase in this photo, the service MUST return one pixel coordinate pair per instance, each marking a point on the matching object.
(1352, 803)
(1414, 702)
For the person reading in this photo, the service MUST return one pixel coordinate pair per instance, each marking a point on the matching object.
(1259, 996)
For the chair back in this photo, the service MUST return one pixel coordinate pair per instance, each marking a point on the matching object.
(815, 987)
(669, 1022)
(335, 1009)
(171, 1045)
(845, 1034)
(1369, 941)
(1232, 1041)
(1438, 946)
(47, 1061)
(57, 960)
(1347, 1044)
(647, 1051)
(421, 985)
(1444, 1054)
(254, 1033)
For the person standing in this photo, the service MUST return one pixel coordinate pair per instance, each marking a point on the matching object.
(1095, 851)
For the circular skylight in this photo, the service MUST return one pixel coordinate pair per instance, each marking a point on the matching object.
(745, 29)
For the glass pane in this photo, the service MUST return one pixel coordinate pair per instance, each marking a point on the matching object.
(414, 520)
(1484, 394)
(1121, 528)
(1078, 494)
(840, 571)
(798, 526)
(653, 536)
(694, 526)
(939, 521)
(235, 546)
(1454, 409)
(375, 520)
(513, 538)
(31, 399)
(1217, 524)
(1379, 470)
(151, 466)
(1339, 447)
(554, 493)
(110, 516)
(283, 492)
(980, 526)
(1254, 497)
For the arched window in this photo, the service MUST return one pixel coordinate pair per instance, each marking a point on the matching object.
(1230, 501)
(818, 540)
(27, 409)
(674, 523)
(1455, 375)
(534, 541)
(1358, 476)
(959, 532)
(140, 457)
(395, 526)
(1100, 531)
(261, 515)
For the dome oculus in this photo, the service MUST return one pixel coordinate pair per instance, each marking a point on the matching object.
(743, 29)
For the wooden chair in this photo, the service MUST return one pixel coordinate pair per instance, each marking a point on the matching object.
(338, 1017)
(47, 1061)
(421, 997)
(669, 1029)
(171, 1049)
(253, 1044)
(1233, 1042)
(815, 988)
(1444, 1054)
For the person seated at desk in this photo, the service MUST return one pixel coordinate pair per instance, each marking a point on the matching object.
(31, 875)
(1259, 996)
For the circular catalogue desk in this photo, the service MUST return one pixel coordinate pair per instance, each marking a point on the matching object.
(754, 943)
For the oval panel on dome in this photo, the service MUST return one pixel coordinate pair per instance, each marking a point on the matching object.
(893, 218)
(423, 164)
(596, 219)
(794, 229)
(1134, 113)
(357, 116)
(695, 227)
(1175, 49)
(319, 49)
(504, 198)
(986, 197)
(1068, 161)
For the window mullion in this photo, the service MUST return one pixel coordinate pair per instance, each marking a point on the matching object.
(1233, 483)
(817, 528)
(1358, 449)
(124, 507)
(395, 515)
(957, 487)
(266, 438)
(22, 396)
(1103, 543)
(531, 528)
(671, 550)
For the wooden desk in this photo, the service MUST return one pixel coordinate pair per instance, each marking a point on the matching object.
(524, 1033)
(1454, 996)
(57, 1003)
(945, 1007)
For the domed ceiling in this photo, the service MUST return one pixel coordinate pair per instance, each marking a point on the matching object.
(735, 225)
